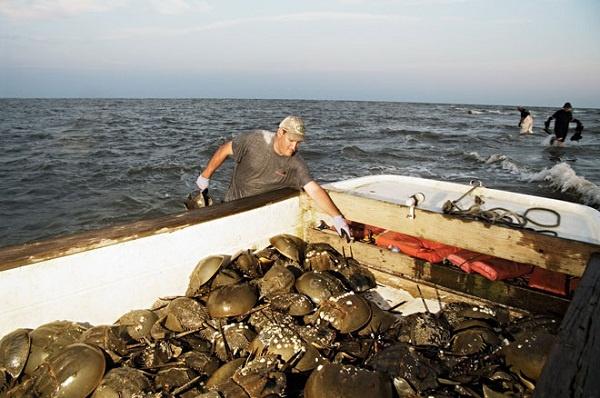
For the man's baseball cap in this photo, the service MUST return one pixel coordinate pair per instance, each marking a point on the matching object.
(293, 125)
(567, 105)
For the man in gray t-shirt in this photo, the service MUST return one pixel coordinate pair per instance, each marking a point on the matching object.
(266, 172)
(266, 161)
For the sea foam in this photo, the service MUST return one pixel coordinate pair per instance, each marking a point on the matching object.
(503, 161)
(564, 178)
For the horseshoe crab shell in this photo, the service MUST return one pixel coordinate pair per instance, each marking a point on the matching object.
(75, 371)
(319, 286)
(246, 263)
(14, 350)
(336, 380)
(204, 271)
(294, 304)
(528, 353)
(138, 323)
(185, 313)
(347, 313)
(282, 342)
(381, 321)
(289, 246)
(50, 338)
(279, 279)
(123, 383)
(231, 300)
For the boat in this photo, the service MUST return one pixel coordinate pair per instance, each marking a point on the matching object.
(96, 276)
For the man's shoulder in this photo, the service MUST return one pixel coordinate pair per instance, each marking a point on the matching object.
(258, 134)
(255, 139)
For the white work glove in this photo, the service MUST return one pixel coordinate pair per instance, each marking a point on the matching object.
(341, 226)
(202, 182)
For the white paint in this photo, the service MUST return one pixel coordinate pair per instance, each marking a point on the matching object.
(100, 285)
(577, 222)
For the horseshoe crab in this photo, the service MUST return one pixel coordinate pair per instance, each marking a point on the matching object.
(224, 373)
(347, 312)
(226, 276)
(457, 312)
(14, 351)
(321, 257)
(319, 286)
(184, 313)
(138, 323)
(380, 322)
(403, 361)
(274, 340)
(260, 378)
(278, 279)
(174, 378)
(204, 271)
(123, 383)
(528, 353)
(473, 341)
(289, 246)
(237, 336)
(357, 277)
(335, 380)
(294, 304)
(73, 372)
(424, 329)
(50, 338)
(268, 317)
(247, 263)
(231, 300)
(201, 362)
(108, 337)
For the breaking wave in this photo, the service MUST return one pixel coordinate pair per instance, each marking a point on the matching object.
(562, 177)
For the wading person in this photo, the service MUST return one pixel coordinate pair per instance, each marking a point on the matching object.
(526, 121)
(266, 161)
(562, 118)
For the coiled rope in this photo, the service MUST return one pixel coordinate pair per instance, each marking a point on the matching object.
(500, 215)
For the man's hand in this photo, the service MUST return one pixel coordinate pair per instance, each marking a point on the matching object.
(341, 227)
(202, 182)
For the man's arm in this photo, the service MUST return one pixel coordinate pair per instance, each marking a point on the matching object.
(217, 159)
(319, 195)
(214, 163)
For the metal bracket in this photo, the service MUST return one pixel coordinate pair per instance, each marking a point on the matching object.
(412, 202)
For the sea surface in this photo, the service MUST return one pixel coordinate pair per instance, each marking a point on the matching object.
(70, 165)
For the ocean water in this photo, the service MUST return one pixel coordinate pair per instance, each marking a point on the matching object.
(70, 165)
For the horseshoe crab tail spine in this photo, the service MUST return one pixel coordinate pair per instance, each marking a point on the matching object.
(423, 299)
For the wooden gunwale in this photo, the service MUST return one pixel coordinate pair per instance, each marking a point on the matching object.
(521, 245)
(33, 252)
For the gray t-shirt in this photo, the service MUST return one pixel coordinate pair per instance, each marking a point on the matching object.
(258, 168)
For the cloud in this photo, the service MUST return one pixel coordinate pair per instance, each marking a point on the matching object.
(51, 9)
(178, 7)
(45, 9)
(283, 18)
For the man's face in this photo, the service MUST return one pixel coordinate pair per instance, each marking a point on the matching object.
(286, 145)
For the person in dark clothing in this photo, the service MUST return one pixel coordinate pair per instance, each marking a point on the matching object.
(526, 121)
(562, 118)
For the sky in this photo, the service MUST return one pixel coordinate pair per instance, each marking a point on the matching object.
(536, 53)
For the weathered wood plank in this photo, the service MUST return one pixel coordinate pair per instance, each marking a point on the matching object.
(525, 246)
(28, 253)
(571, 369)
(473, 285)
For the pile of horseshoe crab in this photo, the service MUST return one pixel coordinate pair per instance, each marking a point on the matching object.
(290, 320)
